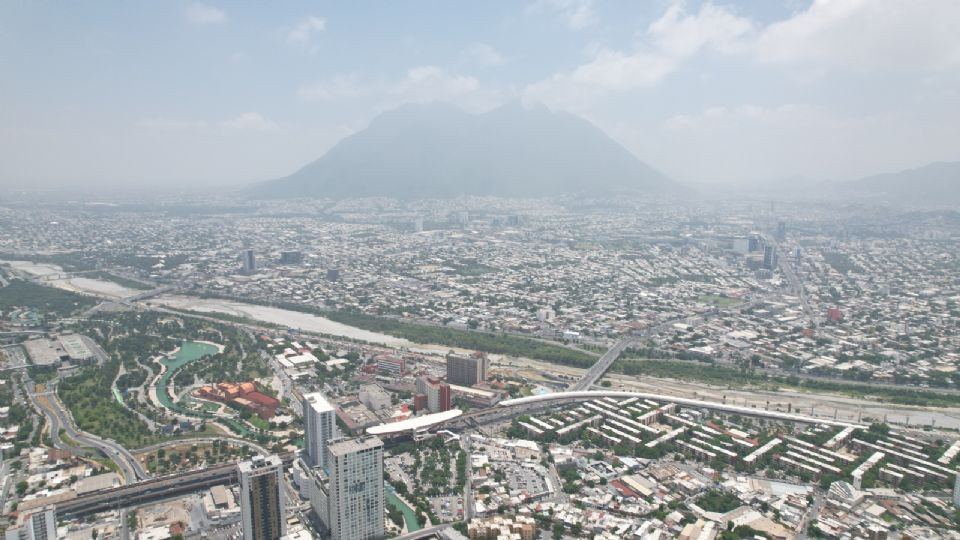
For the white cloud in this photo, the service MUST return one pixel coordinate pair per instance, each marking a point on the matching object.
(305, 30)
(866, 35)
(486, 54)
(427, 83)
(347, 86)
(203, 14)
(668, 42)
(250, 121)
(577, 14)
(679, 35)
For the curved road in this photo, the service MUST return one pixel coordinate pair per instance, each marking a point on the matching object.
(59, 418)
(175, 442)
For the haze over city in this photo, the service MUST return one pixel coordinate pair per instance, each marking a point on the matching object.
(537, 270)
(224, 94)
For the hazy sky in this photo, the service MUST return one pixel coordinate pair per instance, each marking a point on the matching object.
(189, 93)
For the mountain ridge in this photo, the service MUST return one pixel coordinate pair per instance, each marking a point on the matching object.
(935, 183)
(439, 150)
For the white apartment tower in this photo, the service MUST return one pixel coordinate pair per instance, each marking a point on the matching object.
(320, 421)
(356, 489)
(38, 525)
(261, 498)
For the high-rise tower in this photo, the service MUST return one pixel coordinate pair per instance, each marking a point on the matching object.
(356, 489)
(320, 422)
(261, 498)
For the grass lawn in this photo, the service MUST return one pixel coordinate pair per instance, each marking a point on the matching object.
(717, 300)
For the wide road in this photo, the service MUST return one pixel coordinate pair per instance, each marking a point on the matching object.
(795, 283)
(603, 364)
(153, 490)
(468, 485)
(59, 418)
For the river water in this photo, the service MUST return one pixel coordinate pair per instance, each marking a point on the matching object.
(409, 516)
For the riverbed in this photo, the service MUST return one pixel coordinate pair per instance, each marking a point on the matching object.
(306, 322)
(279, 316)
(51, 275)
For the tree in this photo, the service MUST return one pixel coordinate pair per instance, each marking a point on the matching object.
(557, 531)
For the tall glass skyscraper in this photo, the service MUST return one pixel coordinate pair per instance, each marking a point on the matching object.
(261, 498)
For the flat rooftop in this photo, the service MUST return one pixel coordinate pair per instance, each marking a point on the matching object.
(350, 446)
(415, 423)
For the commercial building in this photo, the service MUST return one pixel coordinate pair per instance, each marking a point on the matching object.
(261, 498)
(40, 524)
(356, 489)
(390, 365)
(375, 398)
(320, 420)
(467, 370)
(437, 392)
(956, 491)
(291, 257)
(248, 260)
(519, 527)
(420, 402)
(76, 349)
(769, 257)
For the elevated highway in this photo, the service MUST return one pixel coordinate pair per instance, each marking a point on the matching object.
(603, 364)
(153, 490)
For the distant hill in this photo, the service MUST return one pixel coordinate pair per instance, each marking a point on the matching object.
(438, 150)
(934, 184)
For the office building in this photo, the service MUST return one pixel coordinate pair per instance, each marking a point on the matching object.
(769, 257)
(291, 257)
(320, 424)
(261, 498)
(956, 491)
(781, 231)
(466, 370)
(420, 403)
(741, 245)
(375, 398)
(390, 365)
(355, 491)
(249, 261)
(40, 524)
(437, 393)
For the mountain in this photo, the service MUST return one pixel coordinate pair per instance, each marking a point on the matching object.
(935, 184)
(438, 150)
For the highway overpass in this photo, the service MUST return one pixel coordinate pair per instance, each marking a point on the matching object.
(603, 364)
(150, 491)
